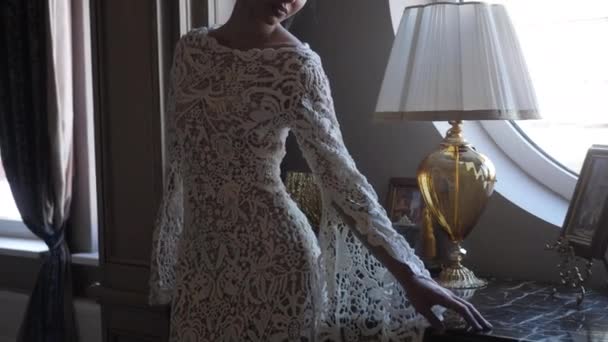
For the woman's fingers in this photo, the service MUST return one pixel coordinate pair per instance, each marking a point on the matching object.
(464, 311)
(484, 323)
(425, 293)
(433, 319)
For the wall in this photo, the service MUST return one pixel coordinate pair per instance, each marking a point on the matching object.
(354, 38)
(12, 309)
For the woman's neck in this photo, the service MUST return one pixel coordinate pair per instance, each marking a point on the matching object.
(242, 30)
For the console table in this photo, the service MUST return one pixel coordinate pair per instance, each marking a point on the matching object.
(527, 311)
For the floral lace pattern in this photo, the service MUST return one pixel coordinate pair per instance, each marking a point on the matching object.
(232, 252)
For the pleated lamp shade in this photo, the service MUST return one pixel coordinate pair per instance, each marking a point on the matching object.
(456, 61)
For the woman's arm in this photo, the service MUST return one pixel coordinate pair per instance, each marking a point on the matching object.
(169, 221)
(317, 130)
(423, 291)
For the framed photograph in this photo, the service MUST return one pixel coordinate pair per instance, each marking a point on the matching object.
(404, 203)
(586, 223)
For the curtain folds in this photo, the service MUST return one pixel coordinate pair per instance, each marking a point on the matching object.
(36, 114)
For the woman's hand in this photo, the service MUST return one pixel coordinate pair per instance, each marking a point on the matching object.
(424, 293)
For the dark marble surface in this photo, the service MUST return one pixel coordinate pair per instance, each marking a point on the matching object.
(527, 311)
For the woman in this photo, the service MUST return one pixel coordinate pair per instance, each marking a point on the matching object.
(232, 253)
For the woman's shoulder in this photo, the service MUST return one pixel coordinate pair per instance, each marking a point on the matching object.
(195, 37)
(200, 38)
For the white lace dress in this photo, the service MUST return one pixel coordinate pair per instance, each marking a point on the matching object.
(232, 253)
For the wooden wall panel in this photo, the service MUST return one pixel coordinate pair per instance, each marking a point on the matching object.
(135, 325)
(130, 126)
(132, 47)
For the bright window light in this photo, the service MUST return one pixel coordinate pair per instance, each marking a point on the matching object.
(565, 46)
(8, 209)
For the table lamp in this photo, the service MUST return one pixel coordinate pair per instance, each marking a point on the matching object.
(455, 61)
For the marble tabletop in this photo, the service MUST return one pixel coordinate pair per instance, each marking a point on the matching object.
(528, 311)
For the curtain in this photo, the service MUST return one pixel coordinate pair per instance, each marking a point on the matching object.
(36, 115)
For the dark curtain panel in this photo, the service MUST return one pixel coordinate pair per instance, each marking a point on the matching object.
(37, 160)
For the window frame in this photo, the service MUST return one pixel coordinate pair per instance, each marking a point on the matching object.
(530, 158)
(15, 229)
(219, 11)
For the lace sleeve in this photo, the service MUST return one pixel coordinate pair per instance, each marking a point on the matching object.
(318, 133)
(169, 220)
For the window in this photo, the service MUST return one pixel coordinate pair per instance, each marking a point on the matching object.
(564, 44)
(10, 219)
(8, 208)
(72, 51)
(195, 13)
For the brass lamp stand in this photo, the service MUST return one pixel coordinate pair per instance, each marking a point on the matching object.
(456, 61)
(456, 183)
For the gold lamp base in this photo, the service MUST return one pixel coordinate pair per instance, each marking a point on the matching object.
(455, 276)
(456, 182)
(460, 278)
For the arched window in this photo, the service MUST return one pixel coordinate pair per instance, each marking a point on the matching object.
(565, 47)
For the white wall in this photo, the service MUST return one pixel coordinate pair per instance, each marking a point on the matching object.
(12, 309)
(354, 38)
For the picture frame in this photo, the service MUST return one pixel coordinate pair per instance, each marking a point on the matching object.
(586, 223)
(404, 199)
